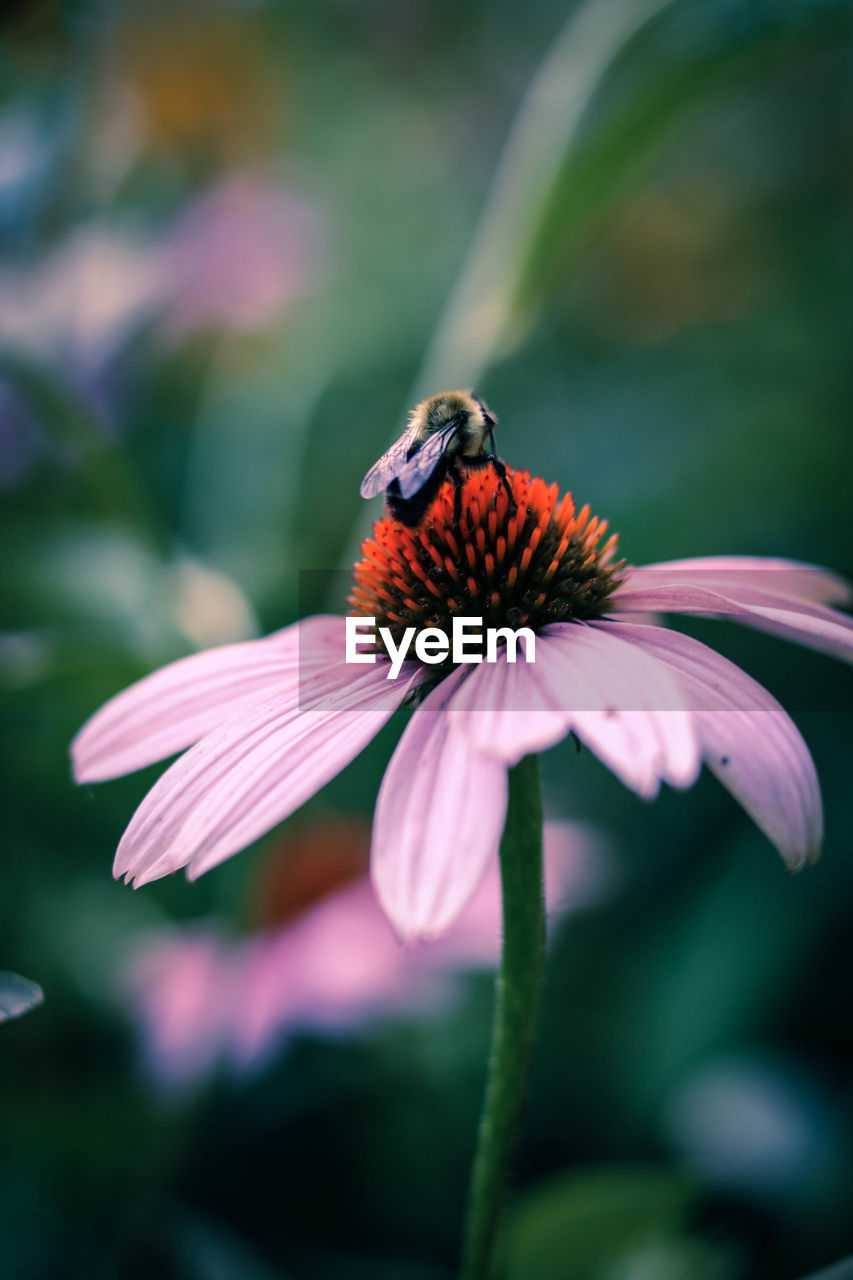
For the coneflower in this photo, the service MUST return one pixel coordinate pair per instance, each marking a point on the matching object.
(269, 722)
(273, 720)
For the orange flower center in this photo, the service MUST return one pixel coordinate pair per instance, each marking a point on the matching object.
(523, 562)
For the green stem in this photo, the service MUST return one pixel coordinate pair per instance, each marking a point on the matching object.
(517, 994)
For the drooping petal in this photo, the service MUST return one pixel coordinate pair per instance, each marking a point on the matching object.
(438, 821)
(256, 769)
(780, 577)
(578, 871)
(810, 624)
(505, 709)
(628, 709)
(171, 709)
(748, 741)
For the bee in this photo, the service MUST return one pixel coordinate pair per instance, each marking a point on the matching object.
(446, 436)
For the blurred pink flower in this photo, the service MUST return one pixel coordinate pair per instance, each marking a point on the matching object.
(330, 966)
(233, 258)
(273, 720)
(237, 256)
(81, 299)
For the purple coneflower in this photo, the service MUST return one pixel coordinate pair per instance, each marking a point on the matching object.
(269, 722)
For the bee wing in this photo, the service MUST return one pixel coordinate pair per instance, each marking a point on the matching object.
(389, 465)
(421, 465)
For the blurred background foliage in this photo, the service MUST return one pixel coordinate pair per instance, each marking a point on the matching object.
(235, 235)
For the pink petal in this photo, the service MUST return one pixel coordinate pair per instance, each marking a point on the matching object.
(184, 989)
(779, 577)
(176, 706)
(332, 969)
(579, 868)
(630, 711)
(438, 821)
(505, 709)
(748, 741)
(811, 624)
(253, 771)
(199, 998)
(576, 873)
(264, 1012)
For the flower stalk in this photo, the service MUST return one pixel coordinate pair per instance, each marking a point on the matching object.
(517, 997)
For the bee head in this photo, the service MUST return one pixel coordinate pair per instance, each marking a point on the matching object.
(463, 406)
(489, 419)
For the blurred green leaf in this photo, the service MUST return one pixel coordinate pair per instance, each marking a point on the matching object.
(473, 326)
(209, 1252)
(672, 342)
(581, 1226)
(618, 152)
(17, 995)
(103, 579)
(840, 1271)
(543, 135)
(114, 488)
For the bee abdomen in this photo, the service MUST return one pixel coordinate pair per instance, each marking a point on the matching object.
(410, 511)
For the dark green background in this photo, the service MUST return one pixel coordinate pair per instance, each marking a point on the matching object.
(679, 355)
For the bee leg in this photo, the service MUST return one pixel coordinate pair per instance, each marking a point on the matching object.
(500, 466)
(492, 460)
(458, 482)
